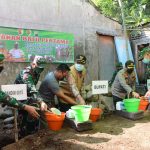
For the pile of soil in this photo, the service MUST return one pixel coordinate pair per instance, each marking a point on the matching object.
(6, 137)
(109, 133)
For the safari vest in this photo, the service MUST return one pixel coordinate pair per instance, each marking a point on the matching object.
(79, 79)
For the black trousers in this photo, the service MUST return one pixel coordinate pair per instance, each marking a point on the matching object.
(115, 100)
(63, 107)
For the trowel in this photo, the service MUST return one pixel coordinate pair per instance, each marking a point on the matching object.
(53, 110)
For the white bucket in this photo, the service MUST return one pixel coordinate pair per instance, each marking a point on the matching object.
(70, 114)
(119, 105)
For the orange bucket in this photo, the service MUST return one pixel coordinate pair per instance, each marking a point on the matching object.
(95, 114)
(54, 121)
(143, 104)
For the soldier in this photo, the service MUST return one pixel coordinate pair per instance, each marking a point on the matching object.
(6, 99)
(30, 76)
(124, 83)
(144, 55)
(119, 66)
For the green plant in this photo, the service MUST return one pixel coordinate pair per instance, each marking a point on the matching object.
(137, 12)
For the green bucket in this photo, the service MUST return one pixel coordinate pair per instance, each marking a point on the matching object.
(81, 112)
(132, 104)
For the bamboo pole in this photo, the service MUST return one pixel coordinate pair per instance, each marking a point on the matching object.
(15, 124)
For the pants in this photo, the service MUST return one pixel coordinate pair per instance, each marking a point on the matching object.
(26, 123)
(63, 107)
(115, 100)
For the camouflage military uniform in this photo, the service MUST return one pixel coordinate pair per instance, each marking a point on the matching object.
(4, 98)
(148, 71)
(119, 66)
(144, 55)
(29, 76)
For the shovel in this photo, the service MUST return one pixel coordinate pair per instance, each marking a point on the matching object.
(53, 110)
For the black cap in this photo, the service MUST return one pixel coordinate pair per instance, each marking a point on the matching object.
(81, 59)
(129, 64)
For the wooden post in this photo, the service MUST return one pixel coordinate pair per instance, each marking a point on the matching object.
(15, 124)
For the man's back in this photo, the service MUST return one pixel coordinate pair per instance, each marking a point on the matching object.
(49, 87)
(123, 83)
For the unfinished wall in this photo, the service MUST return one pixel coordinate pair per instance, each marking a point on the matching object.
(73, 16)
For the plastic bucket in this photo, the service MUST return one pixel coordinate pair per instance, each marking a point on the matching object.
(132, 104)
(95, 114)
(119, 105)
(54, 121)
(81, 112)
(143, 104)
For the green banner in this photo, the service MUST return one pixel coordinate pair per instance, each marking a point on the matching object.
(21, 45)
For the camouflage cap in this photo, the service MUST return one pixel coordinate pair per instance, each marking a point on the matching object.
(119, 65)
(2, 57)
(40, 61)
(142, 52)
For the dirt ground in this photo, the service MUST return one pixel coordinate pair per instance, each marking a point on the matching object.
(110, 133)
